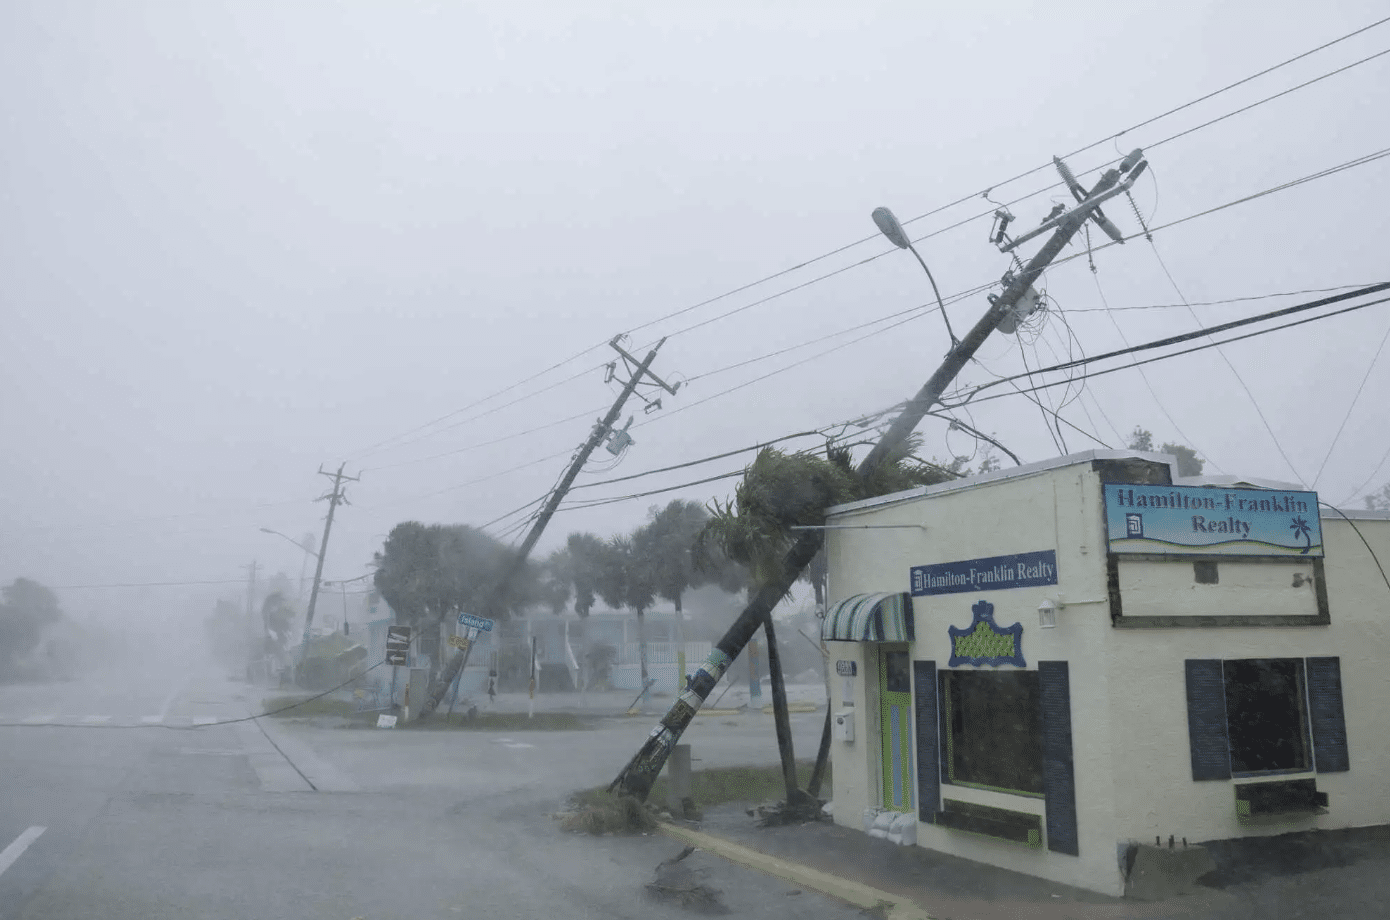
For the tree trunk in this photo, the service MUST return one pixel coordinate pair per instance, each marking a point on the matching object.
(642, 651)
(680, 646)
(583, 654)
(637, 777)
(780, 716)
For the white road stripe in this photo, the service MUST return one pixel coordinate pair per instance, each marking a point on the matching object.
(169, 700)
(39, 720)
(151, 720)
(204, 720)
(21, 843)
(95, 720)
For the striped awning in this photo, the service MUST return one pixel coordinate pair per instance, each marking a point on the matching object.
(870, 618)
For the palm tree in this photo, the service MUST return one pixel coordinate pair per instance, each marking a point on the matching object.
(626, 580)
(586, 553)
(780, 491)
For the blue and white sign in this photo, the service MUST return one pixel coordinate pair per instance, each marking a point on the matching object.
(993, 573)
(469, 620)
(1198, 519)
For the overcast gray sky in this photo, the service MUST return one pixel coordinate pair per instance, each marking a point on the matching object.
(241, 240)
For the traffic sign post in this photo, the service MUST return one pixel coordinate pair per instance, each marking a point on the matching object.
(397, 645)
(479, 623)
(466, 644)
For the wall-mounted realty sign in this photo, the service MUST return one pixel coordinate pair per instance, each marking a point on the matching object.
(993, 573)
(1196, 519)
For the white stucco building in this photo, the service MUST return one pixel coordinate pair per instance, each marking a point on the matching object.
(1215, 666)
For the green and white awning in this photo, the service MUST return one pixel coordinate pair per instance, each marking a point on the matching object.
(870, 618)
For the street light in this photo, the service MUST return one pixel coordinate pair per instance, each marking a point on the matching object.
(292, 540)
(302, 545)
(888, 225)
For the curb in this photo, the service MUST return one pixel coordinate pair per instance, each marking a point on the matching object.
(865, 897)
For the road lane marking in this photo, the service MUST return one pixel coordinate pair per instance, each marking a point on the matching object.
(151, 720)
(204, 720)
(95, 720)
(21, 843)
(39, 720)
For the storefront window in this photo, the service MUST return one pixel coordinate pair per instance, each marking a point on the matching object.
(993, 730)
(1266, 715)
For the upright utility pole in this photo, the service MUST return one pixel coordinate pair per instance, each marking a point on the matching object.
(637, 777)
(639, 374)
(334, 499)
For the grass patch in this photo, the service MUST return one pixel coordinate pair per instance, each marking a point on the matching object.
(323, 706)
(718, 785)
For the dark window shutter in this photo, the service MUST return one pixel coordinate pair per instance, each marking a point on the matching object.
(1059, 772)
(1325, 712)
(928, 760)
(1206, 719)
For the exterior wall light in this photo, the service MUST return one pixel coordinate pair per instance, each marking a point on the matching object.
(1047, 613)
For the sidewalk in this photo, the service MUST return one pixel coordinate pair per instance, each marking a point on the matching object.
(1345, 875)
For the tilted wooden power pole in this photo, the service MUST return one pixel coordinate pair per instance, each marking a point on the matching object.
(601, 430)
(335, 498)
(637, 777)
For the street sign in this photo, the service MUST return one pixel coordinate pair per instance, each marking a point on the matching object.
(468, 619)
(458, 642)
(397, 644)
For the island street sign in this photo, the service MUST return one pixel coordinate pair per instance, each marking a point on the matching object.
(992, 573)
(397, 644)
(1198, 519)
(483, 623)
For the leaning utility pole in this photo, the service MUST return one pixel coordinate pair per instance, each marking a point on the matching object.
(637, 777)
(601, 430)
(334, 499)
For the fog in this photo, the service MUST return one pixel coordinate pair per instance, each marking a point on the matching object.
(241, 243)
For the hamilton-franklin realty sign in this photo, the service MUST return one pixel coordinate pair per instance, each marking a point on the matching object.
(993, 573)
(1196, 519)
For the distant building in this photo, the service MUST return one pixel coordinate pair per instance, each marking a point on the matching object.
(1047, 667)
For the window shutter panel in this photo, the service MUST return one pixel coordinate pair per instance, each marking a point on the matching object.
(928, 759)
(1325, 712)
(1206, 719)
(1059, 771)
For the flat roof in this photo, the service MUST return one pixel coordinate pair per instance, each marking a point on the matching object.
(1017, 472)
(1085, 457)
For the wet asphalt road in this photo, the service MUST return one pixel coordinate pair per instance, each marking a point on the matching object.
(200, 820)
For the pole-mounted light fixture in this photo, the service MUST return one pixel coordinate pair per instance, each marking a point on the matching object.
(888, 225)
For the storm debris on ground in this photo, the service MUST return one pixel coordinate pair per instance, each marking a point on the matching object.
(622, 815)
(680, 883)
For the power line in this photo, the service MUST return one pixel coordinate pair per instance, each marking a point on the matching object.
(984, 193)
(1239, 379)
(1213, 303)
(1186, 337)
(709, 459)
(152, 584)
(1358, 161)
(1148, 384)
(494, 409)
(1340, 428)
(1374, 474)
(498, 440)
(1205, 331)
